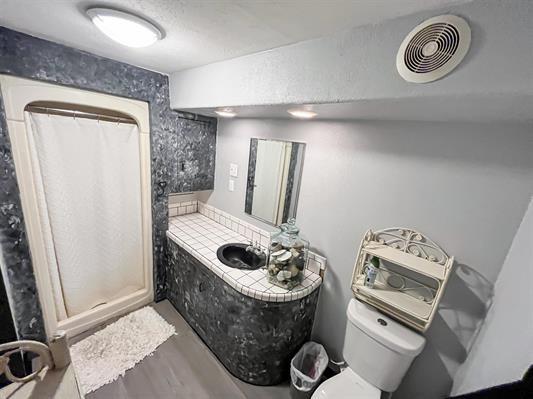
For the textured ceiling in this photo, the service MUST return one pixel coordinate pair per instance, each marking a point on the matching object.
(200, 32)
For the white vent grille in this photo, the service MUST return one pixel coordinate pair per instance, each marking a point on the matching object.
(433, 49)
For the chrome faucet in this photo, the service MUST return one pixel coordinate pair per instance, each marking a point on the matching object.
(255, 248)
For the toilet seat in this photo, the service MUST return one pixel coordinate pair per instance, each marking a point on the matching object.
(346, 385)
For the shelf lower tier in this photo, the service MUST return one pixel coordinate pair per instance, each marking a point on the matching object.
(419, 265)
(396, 299)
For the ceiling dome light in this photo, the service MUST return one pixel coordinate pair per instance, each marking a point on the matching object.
(302, 114)
(126, 29)
(225, 113)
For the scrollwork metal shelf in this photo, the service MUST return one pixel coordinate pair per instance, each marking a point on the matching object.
(413, 274)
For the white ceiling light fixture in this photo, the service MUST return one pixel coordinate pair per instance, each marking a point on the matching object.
(226, 113)
(124, 28)
(302, 113)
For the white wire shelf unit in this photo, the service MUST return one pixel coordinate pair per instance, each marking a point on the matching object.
(411, 279)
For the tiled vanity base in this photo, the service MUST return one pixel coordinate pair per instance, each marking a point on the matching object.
(253, 338)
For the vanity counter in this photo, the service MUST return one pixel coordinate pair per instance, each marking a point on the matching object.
(253, 327)
(201, 236)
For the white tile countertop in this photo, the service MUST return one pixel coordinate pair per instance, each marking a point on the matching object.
(202, 236)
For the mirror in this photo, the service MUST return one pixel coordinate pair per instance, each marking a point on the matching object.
(274, 174)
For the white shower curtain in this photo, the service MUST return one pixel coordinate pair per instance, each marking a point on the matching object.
(87, 179)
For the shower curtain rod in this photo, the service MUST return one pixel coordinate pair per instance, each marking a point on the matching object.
(80, 114)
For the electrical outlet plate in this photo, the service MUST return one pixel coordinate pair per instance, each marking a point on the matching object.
(233, 169)
(231, 185)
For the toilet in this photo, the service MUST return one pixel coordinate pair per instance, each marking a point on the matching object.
(378, 351)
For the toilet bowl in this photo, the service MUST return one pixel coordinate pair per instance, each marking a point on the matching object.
(378, 351)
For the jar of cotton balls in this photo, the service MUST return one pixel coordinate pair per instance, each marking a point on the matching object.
(287, 256)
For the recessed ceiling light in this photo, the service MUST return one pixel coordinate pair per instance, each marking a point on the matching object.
(302, 113)
(126, 29)
(225, 113)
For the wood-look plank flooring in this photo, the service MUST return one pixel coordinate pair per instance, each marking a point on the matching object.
(182, 367)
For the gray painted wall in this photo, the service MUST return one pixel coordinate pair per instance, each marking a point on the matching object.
(465, 185)
(504, 349)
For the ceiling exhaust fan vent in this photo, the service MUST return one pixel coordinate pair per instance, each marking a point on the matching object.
(433, 49)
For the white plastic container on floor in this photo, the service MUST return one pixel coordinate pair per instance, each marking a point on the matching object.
(307, 367)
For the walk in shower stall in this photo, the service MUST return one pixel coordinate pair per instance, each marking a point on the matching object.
(83, 164)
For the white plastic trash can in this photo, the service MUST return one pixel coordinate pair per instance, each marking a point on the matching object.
(307, 367)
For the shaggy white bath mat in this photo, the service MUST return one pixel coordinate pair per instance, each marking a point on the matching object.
(107, 354)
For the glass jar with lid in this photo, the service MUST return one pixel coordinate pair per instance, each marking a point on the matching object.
(287, 256)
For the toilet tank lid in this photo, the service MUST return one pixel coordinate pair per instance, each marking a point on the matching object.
(383, 329)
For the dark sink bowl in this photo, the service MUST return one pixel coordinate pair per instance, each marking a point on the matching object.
(236, 256)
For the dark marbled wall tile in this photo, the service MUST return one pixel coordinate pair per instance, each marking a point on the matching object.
(195, 155)
(250, 179)
(173, 141)
(14, 247)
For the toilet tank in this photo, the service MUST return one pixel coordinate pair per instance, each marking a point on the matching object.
(378, 348)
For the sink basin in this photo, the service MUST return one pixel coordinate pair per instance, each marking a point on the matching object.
(236, 256)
